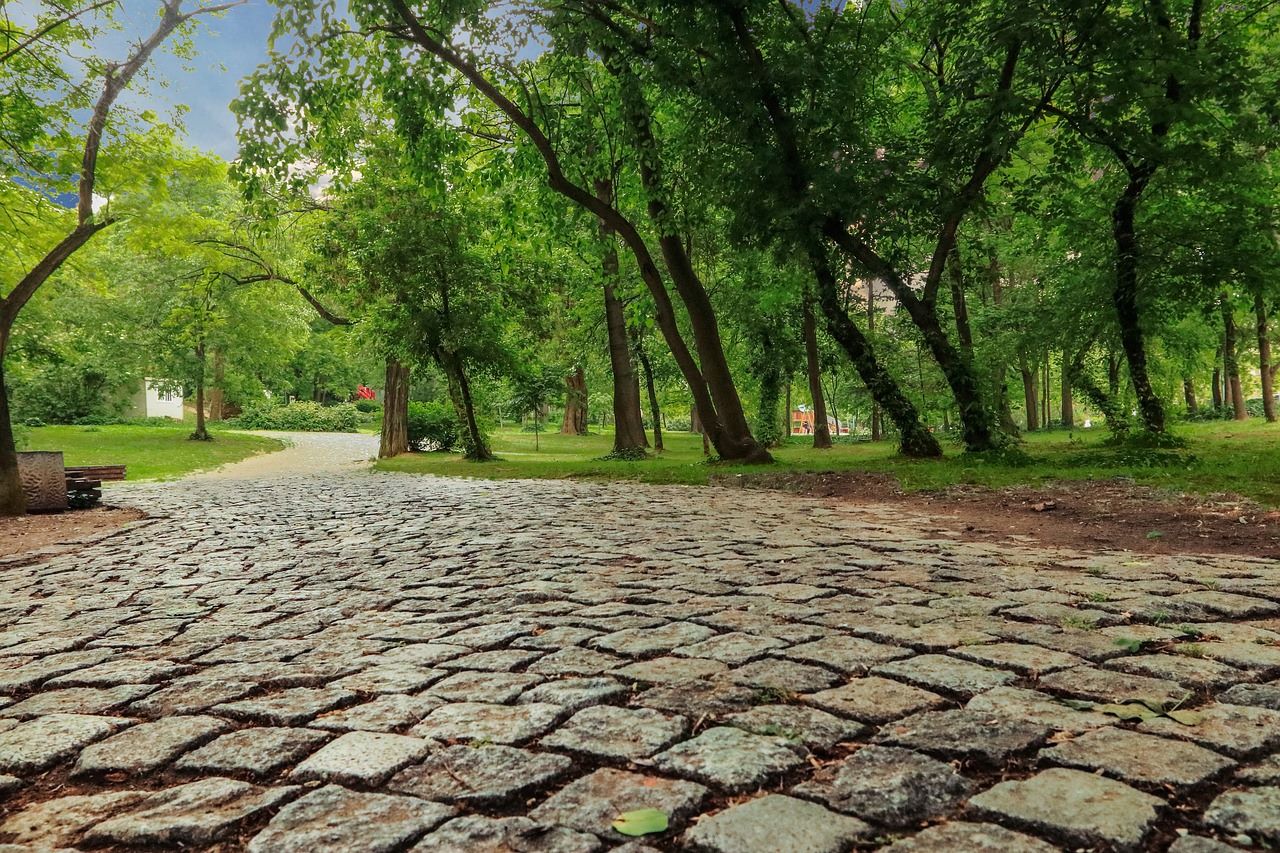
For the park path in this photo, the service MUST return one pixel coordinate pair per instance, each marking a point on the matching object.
(316, 453)
(343, 661)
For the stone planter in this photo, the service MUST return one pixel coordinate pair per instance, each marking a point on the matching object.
(44, 480)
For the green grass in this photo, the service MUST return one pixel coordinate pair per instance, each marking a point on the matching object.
(1219, 457)
(151, 452)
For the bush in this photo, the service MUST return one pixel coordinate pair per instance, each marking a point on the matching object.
(302, 416)
(433, 427)
(368, 406)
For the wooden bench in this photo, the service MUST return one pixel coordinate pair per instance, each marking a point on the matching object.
(84, 483)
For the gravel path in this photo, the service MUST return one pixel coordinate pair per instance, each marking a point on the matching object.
(334, 661)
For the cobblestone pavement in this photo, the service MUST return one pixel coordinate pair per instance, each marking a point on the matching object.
(352, 662)
(304, 453)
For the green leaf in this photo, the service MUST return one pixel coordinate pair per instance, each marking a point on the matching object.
(1155, 534)
(1130, 711)
(1187, 718)
(641, 822)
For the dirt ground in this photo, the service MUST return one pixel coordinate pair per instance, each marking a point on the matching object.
(1101, 514)
(33, 532)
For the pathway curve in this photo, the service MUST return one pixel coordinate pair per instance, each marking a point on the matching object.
(318, 453)
(349, 662)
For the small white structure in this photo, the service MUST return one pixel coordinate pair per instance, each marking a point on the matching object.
(153, 400)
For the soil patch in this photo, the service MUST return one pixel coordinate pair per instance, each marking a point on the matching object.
(1098, 514)
(61, 531)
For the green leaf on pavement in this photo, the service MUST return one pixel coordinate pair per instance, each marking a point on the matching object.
(641, 822)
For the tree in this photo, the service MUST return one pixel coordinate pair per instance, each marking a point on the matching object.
(115, 78)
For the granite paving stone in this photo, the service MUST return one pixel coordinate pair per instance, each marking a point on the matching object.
(147, 746)
(258, 752)
(798, 724)
(334, 818)
(965, 734)
(1082, 808)
(764, 824)
(516, 834)
(60, 822)
(197, 813)
(874, 700)
(604, 731)
(730, 758)
(889, 786)
(956, 836)
(1254, 813)
(574, 694)
(784, 676)
(496, 687)
(42, 742)
(1240, 731)
(361, 758)
(593, 802)
(383, 714)
(477, 721)
(291, 707)
(1135, 757)
(944, 674)
(479, 774)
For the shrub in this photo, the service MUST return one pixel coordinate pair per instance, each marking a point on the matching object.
(302, 416)
(433, 427)
(368, 406)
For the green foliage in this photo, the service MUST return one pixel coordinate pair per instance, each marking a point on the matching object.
(433, 427)
(368, 407)
(299, 416)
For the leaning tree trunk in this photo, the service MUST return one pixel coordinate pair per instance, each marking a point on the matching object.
(1124, 296)
(655, 412)
(477, 446)
(1264, 359)
(733, 439)
(1230, 361)
(821, 429)
(914, 439)
(575, 403)
(395, 411)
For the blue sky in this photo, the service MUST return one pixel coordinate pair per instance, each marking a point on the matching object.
(228, 49)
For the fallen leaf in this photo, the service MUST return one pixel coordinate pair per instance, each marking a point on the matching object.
(641, 822)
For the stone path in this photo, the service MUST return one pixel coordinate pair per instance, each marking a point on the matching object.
(349, 661)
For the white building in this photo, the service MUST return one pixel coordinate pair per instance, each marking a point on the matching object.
(154, 399)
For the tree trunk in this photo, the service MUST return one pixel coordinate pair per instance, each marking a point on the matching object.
(959, 305)
(914, 439)
(1068, 400)
(1264, 359)
(1230, 362)
(395, 411)
(654, 411)
(217, 394)
(695, 425)
(731, 433)
(575, 403)
(13, 501)
(1189, 395)
(202, 429)
(1125, 299)
(477, 446)
(628, 427)
(1030, 399)
(821, 429)
(1217, 381)
(1045, 393)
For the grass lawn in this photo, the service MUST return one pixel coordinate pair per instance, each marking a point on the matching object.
(151, 452)
(1221, 456)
